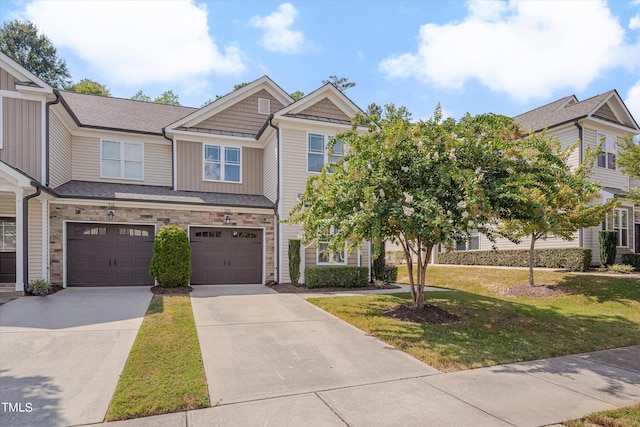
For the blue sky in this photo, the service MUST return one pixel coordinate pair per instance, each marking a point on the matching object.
(505, 57)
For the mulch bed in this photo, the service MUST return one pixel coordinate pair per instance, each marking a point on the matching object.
(288, 288)
(538, 291)
(54, 289)
(429, 314)
(178, 290)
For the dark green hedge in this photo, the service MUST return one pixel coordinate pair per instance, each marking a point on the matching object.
(171, 261)
(607, 241)
(390, 273)
(632, 260)
(575, 259)
(347, 277)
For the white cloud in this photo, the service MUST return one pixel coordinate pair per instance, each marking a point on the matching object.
(277, 36)
(633, 101)
(634, 22)
(137, 41)
(527, 49)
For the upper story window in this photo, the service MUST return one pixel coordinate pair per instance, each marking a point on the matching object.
(607, 156)
(319, 153)
(122, 160)
(222, 163)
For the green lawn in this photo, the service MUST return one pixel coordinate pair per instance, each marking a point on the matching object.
(164, 372)
(622, 417)
(595, 313)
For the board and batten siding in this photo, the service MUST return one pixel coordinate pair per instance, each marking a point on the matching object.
(242, 117)
(270, 166)
(60, 156)
(7, 81)
(22, 135)
(157, 160)
(191, 170)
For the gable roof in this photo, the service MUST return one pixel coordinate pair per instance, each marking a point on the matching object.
(607, 106)
(102, 112)
(326, 104)
(26, 80)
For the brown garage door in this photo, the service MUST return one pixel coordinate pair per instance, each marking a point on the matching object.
(109, 254)
(226, 256)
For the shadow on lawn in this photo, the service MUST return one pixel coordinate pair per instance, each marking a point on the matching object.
(495, 331)
(602, 288)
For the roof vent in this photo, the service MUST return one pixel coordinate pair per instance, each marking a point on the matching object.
(264, 106)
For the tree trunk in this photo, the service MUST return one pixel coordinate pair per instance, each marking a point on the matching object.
(407, 254)
(423, 263)
(533, 243)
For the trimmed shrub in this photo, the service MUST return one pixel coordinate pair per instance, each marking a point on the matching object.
(379, 264)
(346, 277)
(632, 260)
(171, 262)
(607, 241)
(294, 261)
(574, 259)
(40, 287)
(390, 273)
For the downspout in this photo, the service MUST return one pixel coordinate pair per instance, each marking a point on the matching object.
(164, 135)
(47, 133)
(580, 160)
(277, 203)
(25, 235)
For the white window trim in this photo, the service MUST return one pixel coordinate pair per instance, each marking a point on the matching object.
(617, 212)
(344, 251)
(262, 102)
(222, 163)
(15, 224)
(122, 159)
(326, 139)
(467, 243)
(599, 136)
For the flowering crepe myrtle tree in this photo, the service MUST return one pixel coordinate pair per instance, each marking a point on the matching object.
(554, 198)
(420, 184)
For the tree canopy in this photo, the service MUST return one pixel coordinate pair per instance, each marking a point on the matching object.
(341, 83)
(422, 184)
(35, 52)
(166, 97)
(89, 87)
(629, 162)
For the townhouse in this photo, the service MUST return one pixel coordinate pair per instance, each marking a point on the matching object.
(86, 181)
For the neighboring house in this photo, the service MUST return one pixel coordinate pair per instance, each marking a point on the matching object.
(602, 117)
(86, 181)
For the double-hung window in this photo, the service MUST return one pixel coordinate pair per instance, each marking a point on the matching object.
(621, 225)
(325, 256)
(471, 244)
(321, 150)
(607, 156)
(222, 163)
(122, 160)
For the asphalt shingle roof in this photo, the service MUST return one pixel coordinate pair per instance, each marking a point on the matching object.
(124, 114)
(141, 193)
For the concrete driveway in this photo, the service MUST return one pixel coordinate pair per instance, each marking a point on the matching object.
(61, 355)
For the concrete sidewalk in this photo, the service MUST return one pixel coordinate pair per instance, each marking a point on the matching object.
(61, 355)
(275, 360)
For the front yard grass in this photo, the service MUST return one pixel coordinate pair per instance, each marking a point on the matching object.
(628, 416)
(595, 313)
(164, 372)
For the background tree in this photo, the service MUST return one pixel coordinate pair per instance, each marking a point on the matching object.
(553, 197)
(297, 95)
(141, 96)
(629, 162)
(21, 42)
(166, 97)
(89, 87)
(419, 184)
(341, 83)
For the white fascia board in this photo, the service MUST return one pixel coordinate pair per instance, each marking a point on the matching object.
(212, 138)
(613, 125)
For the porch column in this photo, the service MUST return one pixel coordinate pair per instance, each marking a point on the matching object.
(19, 241)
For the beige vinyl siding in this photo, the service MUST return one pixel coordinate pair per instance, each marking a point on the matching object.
(190, 170)
(551, 242)
(270, 175)
(243, 117)
(60, 163)
(157, 160)
(568, 136)
(311, 259)
(22, 135)
(325, 108)
(7, 204)
(606, 177)
(7, 81)
(35, 239)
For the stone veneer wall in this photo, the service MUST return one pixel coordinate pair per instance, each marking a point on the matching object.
(183, 218)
